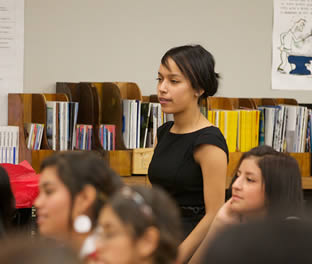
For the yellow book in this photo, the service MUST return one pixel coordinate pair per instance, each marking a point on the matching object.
(257, 116)
(222, 122)
(253, 129)
(210, 116)
(217, 118)
(214, 117)
(231, 131)
(242, 130)
(249, 128)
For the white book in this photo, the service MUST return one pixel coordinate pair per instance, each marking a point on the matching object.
(76, 105)
(133, 124)
(269, 125)
(291, 128)
(62, 125)
(283, 139)
(304, 129)
(138, 124)
(299, 128)
(155, 123)
(159, 121)
(66, 136)
(126, 123)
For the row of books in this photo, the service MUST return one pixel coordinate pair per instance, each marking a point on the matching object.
(83, 137)
(9, 144)
(61, 124)
(287, 128)
(140, 123)
(239, 127)
(33, 133)
(107, 136)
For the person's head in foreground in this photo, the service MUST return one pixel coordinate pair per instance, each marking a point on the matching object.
(278, 242)
(23, 249)
(267, 184)
(137, 225)
(73, 188)
(7, 203)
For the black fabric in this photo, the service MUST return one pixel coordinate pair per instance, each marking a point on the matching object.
(173, 166)
(189, 223)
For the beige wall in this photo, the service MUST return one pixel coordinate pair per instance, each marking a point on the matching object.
(123, 40)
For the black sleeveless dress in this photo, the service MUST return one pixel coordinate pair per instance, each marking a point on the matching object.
(173, 168)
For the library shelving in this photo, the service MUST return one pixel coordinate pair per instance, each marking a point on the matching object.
(31, 108)
(101, 103)
(224, 103)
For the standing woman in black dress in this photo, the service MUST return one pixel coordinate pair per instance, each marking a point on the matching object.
(190, 157)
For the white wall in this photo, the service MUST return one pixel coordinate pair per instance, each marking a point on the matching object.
(123, 40)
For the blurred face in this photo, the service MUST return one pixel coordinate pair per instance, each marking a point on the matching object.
(175, 92)
(114, 243)
(53, 205)
(248, 194)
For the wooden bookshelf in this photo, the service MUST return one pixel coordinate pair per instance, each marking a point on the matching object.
(102, 103)
(31, 108)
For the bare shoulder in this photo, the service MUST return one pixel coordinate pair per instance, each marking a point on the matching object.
(210, 153)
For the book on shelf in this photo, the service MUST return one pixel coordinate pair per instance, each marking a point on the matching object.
(140, 123)
(107, 134)
(61, 123)
(9, 144)
(33, 133)
(145, 115)
(83, 137)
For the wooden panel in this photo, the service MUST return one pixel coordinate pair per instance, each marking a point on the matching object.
(120, 161)
(233, 161)
(38, 156)
(222, 103)
(288, 101)
(129, 90)
(136, 180)
(307, 183)
(304, 162)
(303, 159)
(141, 159)
(110, 105)
(19, 112)
(246, 103)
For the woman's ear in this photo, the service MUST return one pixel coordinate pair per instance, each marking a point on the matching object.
(199, 93)
(83, 201)
(148, 242)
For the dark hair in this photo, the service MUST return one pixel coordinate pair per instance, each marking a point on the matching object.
(277, 242)
(7, 202)
(281, 178)
(283, 187)
(164, 216)
(76, 169)
(24, 249)
(197, 64)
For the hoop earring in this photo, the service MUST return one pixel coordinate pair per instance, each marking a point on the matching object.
(82, 224)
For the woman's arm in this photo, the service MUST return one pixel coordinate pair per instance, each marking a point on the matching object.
(224, 217)
(213, 163)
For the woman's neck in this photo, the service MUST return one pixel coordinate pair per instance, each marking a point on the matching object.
(188, 121)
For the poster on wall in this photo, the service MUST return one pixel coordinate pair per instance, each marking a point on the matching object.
(11, 52)
(292, 45)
